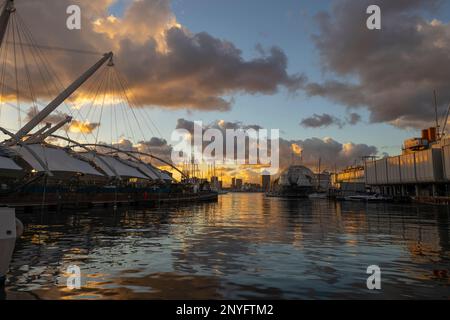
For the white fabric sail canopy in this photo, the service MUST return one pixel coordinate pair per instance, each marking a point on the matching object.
(143, 168)
(8, 164)
(150, 170)
(122, 169)
(99, 163)
(111, 165)
(56, 160)
(165, 176)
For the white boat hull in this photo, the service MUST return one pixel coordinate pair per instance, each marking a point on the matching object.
(318, 196)
(366, 198)
(8, 235)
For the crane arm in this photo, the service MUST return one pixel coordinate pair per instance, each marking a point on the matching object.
(61, 97)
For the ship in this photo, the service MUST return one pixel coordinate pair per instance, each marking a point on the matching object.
(44, 169)
(294, 182)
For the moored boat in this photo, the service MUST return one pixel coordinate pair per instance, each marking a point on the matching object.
(10, 229)
(367, 197)
(318, 195)
(294, 182)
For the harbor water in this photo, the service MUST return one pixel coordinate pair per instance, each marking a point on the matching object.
(245, 246)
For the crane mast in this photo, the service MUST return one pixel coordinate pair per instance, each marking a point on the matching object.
(25, 130)
(61, 97)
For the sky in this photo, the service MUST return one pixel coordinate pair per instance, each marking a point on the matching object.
(309, 68)
(290, 26)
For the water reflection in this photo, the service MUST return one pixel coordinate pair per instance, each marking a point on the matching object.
(244, 246)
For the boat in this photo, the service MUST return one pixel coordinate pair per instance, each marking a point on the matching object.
(294, 182)
(10, 229)
(367, 197)
(318, 195)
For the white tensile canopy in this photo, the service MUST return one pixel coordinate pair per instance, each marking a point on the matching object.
(106, 163)
(8, 164)
(165, 176)
(56, 159)
(144, 168)
(150, 170)
(99, 163)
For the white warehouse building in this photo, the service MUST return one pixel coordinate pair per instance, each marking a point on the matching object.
(419, 173)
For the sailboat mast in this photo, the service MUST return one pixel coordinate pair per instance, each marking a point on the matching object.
(319, 172)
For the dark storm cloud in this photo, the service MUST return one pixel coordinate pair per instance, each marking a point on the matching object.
(395, 69)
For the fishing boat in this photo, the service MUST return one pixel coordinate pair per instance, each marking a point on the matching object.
(40, 167)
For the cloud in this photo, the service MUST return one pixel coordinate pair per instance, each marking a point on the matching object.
(217, 124)
(392, 71)
(75, 126)
(163, 62)
(155, 142)
(222, 126)
(331, 152)
(326, 120)
(353, 118)
(157, 147)
(53, 118)
(323, 120)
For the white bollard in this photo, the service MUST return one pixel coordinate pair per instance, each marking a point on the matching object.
(8, 235)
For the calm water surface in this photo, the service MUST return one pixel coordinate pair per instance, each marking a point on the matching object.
(244, 246)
